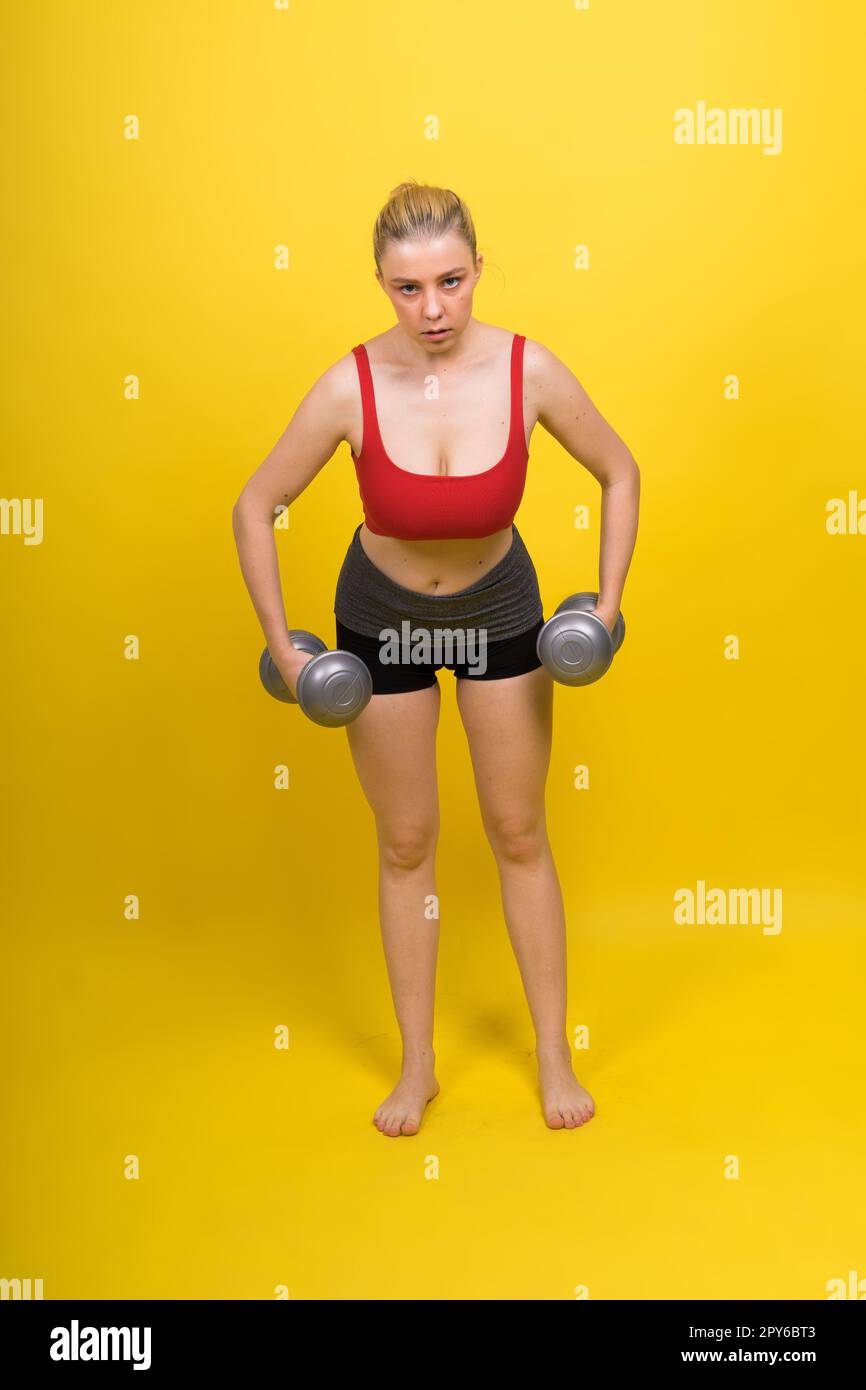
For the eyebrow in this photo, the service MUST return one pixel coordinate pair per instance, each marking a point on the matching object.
(405, 280)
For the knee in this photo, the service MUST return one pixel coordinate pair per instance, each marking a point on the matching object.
(407, 846)
(518, 838)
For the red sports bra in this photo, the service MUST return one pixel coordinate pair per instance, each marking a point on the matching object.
(432, 506)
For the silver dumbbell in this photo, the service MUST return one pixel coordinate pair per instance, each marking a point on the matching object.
(333, 688)
(575, 645)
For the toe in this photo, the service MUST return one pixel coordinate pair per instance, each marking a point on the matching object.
(554, 1119)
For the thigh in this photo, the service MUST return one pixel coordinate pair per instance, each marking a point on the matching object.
(393, 748)
(509, 728)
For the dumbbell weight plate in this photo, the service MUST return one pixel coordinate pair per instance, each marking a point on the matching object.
(269, 674)
(334, 687)
(573, 649)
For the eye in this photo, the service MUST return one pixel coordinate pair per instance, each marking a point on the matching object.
(450, 280)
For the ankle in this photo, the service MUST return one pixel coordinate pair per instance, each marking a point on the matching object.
(553, 1049)
(418, 1059)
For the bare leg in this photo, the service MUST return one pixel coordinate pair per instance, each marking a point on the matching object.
(509, 727)
(393, 747)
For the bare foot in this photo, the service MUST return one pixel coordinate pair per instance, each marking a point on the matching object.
(565, 1102)
(401, 1111)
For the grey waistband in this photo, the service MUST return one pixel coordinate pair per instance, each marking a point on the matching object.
(505, 601)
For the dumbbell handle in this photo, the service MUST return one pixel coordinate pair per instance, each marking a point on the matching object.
(271, 676)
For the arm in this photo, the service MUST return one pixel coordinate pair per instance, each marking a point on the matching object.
(566, 412)
(304, 447)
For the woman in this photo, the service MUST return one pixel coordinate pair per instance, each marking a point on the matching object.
(427, 408)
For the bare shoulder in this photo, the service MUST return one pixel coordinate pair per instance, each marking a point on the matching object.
(542, 369)
(562, 405)
(337, 382)
(552, 387)
(546, 381)
(324, 417)
(333, 396)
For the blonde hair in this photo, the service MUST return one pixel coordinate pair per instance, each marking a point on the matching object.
(421, 210)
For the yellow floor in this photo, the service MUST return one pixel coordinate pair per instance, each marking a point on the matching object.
(260, 1168)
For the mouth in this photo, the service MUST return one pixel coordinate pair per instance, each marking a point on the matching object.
(435, 333)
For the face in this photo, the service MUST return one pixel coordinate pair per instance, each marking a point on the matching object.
(430, 284)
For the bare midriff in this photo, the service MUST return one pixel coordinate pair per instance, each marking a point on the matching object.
(435, 567)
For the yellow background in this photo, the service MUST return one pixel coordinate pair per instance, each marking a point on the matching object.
(155, 257)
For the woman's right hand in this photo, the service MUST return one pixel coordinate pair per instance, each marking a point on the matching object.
(290, 664)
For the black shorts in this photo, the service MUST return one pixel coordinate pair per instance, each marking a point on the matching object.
(513, 656)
